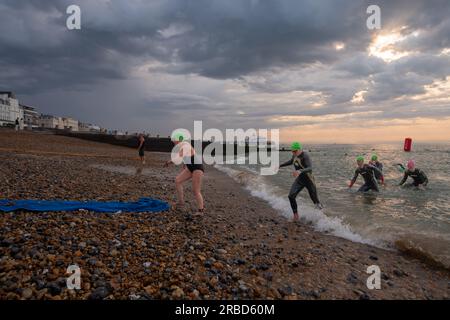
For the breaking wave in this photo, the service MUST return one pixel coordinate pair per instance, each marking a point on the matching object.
(256, 185)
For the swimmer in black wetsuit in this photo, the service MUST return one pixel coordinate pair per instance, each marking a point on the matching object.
(374, 162)
(141, 148)
(192, 169)
(304, 178)
(368, 172)
(419, 177)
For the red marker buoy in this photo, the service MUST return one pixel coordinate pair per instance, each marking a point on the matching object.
(408, 145)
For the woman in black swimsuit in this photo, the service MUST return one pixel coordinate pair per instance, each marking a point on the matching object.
(192, 169)
(141, 148)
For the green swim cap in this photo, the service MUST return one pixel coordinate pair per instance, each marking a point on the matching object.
(359, 158)
(177, 136)
(374, 157)
(296, 146)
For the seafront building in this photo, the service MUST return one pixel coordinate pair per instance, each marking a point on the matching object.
(48, 121)
(10, 110)
(70, 124)
(88, 127)
(30, 116)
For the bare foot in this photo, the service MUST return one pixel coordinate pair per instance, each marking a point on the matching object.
(178, 206)
(199, 213)
(296, 217)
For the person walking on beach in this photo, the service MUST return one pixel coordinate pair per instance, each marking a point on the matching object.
(419, 177)
(141, 148)
(192, 169)
(16, 127)
(368, 172)
(374, 162)
(303, 177)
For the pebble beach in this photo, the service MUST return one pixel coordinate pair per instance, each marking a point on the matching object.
(240, 249)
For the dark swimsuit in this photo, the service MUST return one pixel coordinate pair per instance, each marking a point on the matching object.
(193, 163)
(141, 149)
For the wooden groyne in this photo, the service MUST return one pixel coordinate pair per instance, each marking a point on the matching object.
(156, 144)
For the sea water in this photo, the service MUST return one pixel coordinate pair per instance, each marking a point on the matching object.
(410, 219)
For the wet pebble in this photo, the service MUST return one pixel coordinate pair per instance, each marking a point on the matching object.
(54, 288)
(27, 293)
(99, 293)
(352, 278)
(399, 273)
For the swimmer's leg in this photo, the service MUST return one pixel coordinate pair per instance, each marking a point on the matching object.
(364, 188)
(197, 176)
(179, 180)
(312, 190)
(295, 189)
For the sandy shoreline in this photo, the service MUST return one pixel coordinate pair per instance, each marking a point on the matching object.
(241, 249)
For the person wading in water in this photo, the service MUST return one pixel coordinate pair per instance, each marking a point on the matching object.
(304, 178)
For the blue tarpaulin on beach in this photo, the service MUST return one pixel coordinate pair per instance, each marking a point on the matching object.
(143, 205)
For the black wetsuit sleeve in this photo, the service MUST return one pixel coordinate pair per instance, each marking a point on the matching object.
(376, 170)
(287, 163)
(307, 163)
(405, 176)
(354, 177)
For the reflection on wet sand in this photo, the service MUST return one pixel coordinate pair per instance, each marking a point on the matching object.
(129, 170)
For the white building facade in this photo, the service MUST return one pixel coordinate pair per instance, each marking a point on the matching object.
(70, 124)
(54, 122)
(88, 127)
(30, 116)
(50, 122)
(9, 109)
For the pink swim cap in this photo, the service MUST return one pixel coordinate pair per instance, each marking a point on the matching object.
(411, 164)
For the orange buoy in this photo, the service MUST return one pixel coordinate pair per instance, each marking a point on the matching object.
(408, 145)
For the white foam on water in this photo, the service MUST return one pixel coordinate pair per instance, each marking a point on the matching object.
(234, 159)
(320, 221)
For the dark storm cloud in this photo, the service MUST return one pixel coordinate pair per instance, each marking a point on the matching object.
(220, 40)
(224, 40)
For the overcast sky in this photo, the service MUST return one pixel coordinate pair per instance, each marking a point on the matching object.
(308, 67)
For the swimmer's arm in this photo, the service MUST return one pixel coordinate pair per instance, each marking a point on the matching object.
(352, 182)
(405, 176)
(287, 163)
(401, 167)
(378, 171)
(308, 164)
(185, 149)
(374, 168)
(166, 164)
